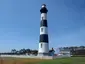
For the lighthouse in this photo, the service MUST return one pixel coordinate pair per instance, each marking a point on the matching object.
(43, 40)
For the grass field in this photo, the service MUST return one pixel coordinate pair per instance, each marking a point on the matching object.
(71, 60)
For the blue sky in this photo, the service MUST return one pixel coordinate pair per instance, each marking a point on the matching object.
(20, 23)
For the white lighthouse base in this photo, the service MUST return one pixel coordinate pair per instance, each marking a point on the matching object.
(43, 49)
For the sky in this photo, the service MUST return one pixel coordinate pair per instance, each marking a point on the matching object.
(20, 23)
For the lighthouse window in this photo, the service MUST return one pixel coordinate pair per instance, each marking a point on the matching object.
(42, 18)
(41, 45)
(41, 29)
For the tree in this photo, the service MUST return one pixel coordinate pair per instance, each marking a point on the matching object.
(34, 52)
(28, 51)
(13, 51)
(22, 51)
(82, 47)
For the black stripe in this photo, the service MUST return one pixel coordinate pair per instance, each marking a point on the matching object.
(44, 10)
(44, 38)
(43, 23)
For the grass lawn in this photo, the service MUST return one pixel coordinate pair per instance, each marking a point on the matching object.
(71, 60)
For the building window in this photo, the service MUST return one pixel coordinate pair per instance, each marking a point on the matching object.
(41, 29)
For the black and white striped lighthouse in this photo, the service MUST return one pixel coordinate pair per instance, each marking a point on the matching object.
(43, 42)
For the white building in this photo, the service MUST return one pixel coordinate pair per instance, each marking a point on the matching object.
(64, 53)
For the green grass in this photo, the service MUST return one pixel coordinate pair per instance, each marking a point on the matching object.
(71, 60)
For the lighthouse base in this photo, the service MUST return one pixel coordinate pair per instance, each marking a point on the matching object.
(43, 54)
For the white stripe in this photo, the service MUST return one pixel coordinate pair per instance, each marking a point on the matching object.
(43, 30)
(44, 48)
(44, 16)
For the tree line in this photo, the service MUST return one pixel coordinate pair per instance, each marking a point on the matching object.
(23, 52)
